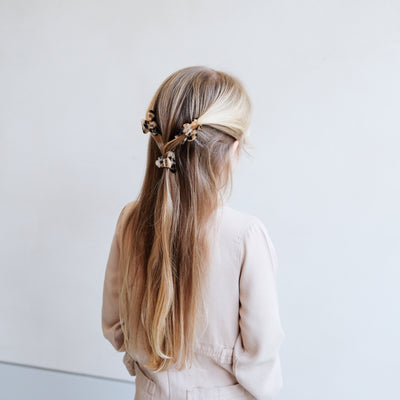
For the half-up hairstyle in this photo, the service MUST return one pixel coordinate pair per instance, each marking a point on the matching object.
(165, 248)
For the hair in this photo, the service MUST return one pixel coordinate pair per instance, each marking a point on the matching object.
(165, 247)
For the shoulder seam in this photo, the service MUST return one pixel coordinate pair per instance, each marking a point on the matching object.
(239, 239)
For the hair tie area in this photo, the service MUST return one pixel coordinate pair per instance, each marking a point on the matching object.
(190, 130)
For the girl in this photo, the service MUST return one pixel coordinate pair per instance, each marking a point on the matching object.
(190, 284)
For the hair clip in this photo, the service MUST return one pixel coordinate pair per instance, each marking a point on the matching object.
(167, 162)
(189, 130)
(149, 124)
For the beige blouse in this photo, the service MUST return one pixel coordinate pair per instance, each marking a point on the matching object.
(238, 351)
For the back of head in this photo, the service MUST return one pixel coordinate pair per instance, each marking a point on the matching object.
(165, 248)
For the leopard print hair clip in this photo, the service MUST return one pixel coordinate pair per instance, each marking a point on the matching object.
(149, 124)
(167, 162)
(189, 130)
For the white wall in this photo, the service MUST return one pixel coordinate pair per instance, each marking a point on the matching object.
(76, 78)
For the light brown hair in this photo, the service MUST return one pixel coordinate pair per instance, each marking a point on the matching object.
(165, 249)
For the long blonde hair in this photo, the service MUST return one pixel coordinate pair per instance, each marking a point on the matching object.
(165, 250)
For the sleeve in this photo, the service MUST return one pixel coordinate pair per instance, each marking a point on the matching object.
(111, 324)
(256, 361)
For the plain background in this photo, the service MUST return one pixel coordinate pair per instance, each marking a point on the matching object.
(76, 79)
